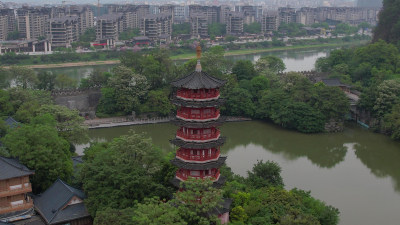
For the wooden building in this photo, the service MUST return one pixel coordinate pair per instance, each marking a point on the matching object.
(14, 189)
(62, 204)
(198, 137)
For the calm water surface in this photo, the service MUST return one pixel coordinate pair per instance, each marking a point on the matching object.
(356, 171)
(295, 60)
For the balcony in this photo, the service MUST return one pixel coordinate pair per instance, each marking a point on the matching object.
(199, 158)
(184, 176)
(16, 191)
(188, 115)
(198, 137)
(200, 95)
(26, 205)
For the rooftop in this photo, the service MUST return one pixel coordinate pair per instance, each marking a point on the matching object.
(11, 168)
(198, 80)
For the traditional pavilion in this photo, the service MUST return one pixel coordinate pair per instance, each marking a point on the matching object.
(198, 137)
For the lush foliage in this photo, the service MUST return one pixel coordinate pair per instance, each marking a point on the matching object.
(388, 27)
(253, 28)
(129, 34)
(178, 29)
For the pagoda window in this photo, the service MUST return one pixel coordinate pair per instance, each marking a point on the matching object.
(206, 172)
(207, 90)
(207, 131)
(207, 111)
(209, 151)
(195, 173)
(195, 111)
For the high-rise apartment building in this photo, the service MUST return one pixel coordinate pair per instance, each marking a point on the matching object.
(109, 26)
(33, 22)
(269, 22)
(155, 26)
(7, 23)
(287, 15)
(198, 25)
(212, 13)
(234, 23)
(64, 31)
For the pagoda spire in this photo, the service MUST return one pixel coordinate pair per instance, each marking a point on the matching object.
(198, 52)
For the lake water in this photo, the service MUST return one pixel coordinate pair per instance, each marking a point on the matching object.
(295, 60)
(356, 171)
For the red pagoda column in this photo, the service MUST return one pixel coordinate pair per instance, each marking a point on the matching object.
(198, 137)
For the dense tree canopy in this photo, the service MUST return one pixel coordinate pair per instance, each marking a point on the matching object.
(388, 27)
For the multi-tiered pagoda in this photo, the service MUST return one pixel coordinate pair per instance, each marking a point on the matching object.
(198, 137)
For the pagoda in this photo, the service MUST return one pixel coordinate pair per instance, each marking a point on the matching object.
(197, 98)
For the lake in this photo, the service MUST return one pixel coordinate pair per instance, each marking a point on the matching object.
(356, 171)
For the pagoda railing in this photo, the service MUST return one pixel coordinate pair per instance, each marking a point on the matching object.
(23, 188)
(187, 115)
(198, 137)
(200, 95)
(184, 176)
(201, 158)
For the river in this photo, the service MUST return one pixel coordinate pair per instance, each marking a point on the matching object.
(295, 60)
(356, 171)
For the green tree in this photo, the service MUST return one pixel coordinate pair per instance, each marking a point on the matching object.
(253, 28)
(24, 77)
(216, 29)
(265, 175)
(38, 146)
(244, 70)
(64, 81)
(388, 27)
(114, 216)
(214, 62)
(14, 35)
(133, 161)
(239, 103)
(46, 81)
(154, 211)
(129, 88)
(391, 122)
(129, 34)
(157, 101)
(183, 28)
(69, 124)
(4, 78)
(108, 103)
(197, 200)
(88, 36)
(270, 63)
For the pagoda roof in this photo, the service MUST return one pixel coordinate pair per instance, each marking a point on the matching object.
(198, 80)
(198, 104)
(11, 168)
(199, 166)
(198, 145)
(216, 184)
(192, 124)
(53, 205)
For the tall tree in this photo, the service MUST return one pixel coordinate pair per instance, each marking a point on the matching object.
(46, 81)
(388, 27)
(270, 63)
(24, 77)
(244, 70)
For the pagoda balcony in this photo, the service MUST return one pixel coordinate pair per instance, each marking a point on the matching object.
(198, 137)
(198, 95)
(20, 189)
(187, 157)
(188, 115)
(184, 175)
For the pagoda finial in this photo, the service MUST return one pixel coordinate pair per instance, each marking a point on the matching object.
(198, 52)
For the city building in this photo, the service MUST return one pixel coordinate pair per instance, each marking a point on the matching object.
(132, 14)
(198, 137)
(7, 23)
(234, 23)
(212, 13)
(168, 9)
(269, 22)
(64, 31)
(154, 26)
(198, 25)
(225, 9)
(31, 45)
(62, 204)
(181, 14)
(15, 202)
(250, 13)
(306, 16)
(286, 15)
(108, 27)
(33, 22)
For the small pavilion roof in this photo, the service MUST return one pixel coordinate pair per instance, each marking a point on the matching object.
(198, 80)
(11, 168)
(11, 122)
(53, 203)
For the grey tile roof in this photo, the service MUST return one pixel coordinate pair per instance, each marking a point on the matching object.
(198, 80)
(334, 82)
(198, 145)
(51, 203)
(11, 122)
(199, 166)
(11, 168)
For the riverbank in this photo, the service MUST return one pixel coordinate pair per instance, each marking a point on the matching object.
(126, 121)
(189, 56)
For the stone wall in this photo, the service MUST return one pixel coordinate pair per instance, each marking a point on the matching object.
(334, 126)
(83, 100)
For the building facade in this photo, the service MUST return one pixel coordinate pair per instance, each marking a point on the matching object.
(7, 23)
(269, 22)
(235, 23)
(212, 13)
(64, 31)
(154, 26)
(109, 26)
(33, 22)
(14, 189)
(198, 25)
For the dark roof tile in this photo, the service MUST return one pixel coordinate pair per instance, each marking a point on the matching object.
(198, 80)
(11, 168)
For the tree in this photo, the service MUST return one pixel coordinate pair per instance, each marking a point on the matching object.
(38, 146)
(107, 104)
(46, 81)
(216, 29)
(24, 77)
(69, 124)
(388, 95)
(239, 103)
(244, 70)
(331, 102)
(197, 200)
(391, 122)
(183, 28)
(129, 34)
(388, 27)
(133, 161)
(129, 88)
(265, 175)
(154, 211)
(253, 28)
(64, 81)
(157, 101)
(214, 62)
(97, 78)
(14, 35)
(270, 63)
(363, 26)
(114, 216)
(4, 78)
